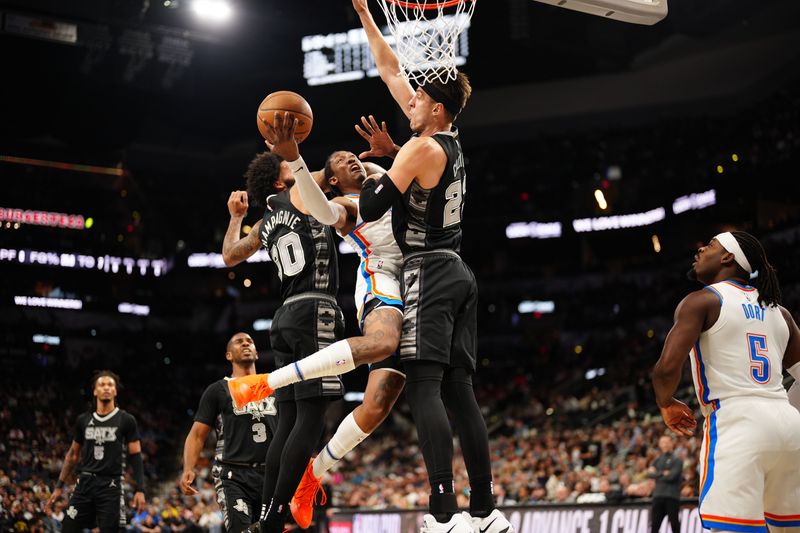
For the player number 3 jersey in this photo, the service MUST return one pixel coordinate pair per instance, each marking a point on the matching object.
(742, 353)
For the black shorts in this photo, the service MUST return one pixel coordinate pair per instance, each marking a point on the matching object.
(238, 495)
(393, 361)
(440, 321)
(97, 500)
(300, 328)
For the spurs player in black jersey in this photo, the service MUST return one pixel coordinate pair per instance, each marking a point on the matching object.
(425, 189)
(243, 436)
(104, 440)
(309, 319)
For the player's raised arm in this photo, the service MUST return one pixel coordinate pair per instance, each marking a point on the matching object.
(236, 249)
(386, 60)
(314, 200)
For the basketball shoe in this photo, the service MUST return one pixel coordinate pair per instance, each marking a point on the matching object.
(457, 524)
(494, 523)
(302, 504)
(248, 389)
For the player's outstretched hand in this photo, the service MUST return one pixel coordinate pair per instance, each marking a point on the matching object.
(187, 478)
(679, 418)
(380, 142)
(138, 502)
(282, 136)
(237, 204)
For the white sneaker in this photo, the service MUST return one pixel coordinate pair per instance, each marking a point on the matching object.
(457, 524)
(494, 523)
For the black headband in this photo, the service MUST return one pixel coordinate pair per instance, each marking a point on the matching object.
(439, 96)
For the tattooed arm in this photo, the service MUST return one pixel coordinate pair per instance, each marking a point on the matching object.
(235, 249)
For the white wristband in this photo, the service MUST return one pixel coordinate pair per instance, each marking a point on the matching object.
(315, 200)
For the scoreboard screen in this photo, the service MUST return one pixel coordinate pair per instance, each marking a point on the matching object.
(345, 56)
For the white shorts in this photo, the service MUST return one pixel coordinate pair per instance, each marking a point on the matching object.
(750, 465)
(375, 284)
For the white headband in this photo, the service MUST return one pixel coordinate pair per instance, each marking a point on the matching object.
(729, 242)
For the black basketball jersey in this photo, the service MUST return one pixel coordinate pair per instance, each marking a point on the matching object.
(430, 219)
(302, 248)
(243, 435)
(104, 441)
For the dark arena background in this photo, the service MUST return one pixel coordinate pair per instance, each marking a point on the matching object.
(600, 155)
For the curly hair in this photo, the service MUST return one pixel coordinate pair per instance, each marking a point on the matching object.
(261, 175)
(106, 374)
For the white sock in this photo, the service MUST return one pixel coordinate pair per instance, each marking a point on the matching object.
(347, 437)
(334, 360)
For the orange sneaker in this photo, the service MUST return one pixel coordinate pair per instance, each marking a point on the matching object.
(302, 504)
(248, 389)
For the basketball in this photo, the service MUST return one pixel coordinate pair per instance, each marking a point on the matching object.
(285, 101)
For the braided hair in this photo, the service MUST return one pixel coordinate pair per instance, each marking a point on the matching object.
(769, 291)
(105, 374)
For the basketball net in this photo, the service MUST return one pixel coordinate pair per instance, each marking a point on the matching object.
(426, 33)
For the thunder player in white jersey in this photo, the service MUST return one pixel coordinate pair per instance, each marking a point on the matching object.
(739, 340)
(379, 310)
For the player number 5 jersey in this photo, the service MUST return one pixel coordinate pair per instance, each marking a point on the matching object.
(742, 353)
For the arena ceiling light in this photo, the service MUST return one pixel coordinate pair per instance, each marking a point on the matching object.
(212, 10)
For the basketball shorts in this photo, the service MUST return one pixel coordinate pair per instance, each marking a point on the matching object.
(300, 328)
(441, 310)
(97, 500)
(373, 290)
(750, 465)
(238, 495)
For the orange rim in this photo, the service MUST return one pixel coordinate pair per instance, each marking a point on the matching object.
(426, 5)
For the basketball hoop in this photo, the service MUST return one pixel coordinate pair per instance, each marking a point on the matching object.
(426, 34)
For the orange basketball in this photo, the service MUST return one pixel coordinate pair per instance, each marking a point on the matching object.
(285, 101)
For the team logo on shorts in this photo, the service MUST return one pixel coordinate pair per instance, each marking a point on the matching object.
(241, 507)
(72, 512)
(340, 362)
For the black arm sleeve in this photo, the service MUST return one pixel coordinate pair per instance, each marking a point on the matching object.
(377, 197)
(138, 471)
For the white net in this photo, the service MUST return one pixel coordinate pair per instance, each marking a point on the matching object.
(426, 35)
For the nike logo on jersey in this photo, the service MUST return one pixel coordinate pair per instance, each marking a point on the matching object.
(100, 434)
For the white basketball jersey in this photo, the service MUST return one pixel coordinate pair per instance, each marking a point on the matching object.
(742, 353)
(375, 243)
